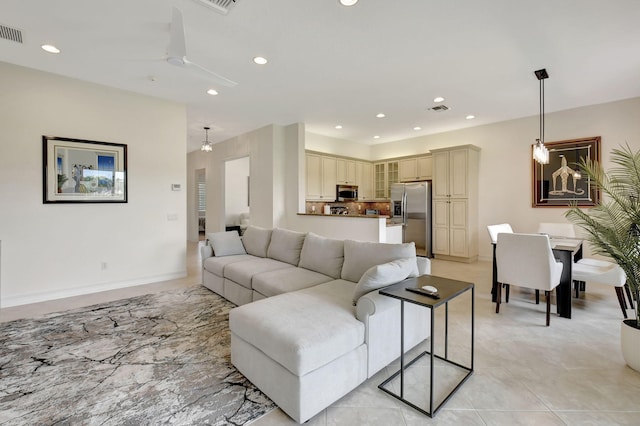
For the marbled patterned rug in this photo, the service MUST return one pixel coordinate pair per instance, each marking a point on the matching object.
(149, 360)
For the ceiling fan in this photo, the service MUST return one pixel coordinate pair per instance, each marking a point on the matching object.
(177, 54)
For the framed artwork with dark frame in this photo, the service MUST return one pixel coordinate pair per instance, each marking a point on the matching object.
(83, 171)
(560, 183)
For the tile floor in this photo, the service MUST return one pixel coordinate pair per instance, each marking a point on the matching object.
(571, 373)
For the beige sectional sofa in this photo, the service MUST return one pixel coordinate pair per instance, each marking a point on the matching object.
(312, 325)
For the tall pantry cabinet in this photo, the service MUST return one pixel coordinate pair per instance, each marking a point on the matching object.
(455, 203)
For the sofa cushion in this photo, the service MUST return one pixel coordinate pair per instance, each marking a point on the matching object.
(281, 281)
(285, 246)
(323, 255)
(243, 272)
(256, 240)
(216, 265)
(383, 275)
(226, 243)
(360, 256)
(325, 326)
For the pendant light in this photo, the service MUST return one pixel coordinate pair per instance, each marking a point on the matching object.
(206, 145)
(540, 152)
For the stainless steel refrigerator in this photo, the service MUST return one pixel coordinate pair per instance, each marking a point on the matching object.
(411, 206)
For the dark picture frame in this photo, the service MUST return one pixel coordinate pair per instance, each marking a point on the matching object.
(560, 183)
(83, 171)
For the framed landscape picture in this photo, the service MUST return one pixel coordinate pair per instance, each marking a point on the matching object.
(561, 182)
(83, 171)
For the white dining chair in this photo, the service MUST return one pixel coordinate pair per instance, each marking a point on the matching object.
(603, 272)
(557, 229)
(526, 260)
(494, 230)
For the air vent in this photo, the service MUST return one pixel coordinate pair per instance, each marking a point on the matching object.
(439, 108)
(11, 34)
(220, 6)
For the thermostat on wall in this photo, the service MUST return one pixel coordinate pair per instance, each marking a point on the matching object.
(175, 187)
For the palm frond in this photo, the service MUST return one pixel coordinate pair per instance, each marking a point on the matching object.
(609, 225)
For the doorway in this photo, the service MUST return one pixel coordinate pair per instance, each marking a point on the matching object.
(237, 194)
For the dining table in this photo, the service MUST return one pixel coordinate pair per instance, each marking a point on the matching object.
(565, 250)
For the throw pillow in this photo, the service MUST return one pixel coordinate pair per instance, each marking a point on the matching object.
(383, 275)
(226, 243)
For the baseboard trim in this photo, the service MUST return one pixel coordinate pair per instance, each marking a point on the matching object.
(80, 291)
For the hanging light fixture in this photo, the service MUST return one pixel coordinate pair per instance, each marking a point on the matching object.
(206, 145)
(540, 152)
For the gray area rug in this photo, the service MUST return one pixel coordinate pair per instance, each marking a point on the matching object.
(149, 360)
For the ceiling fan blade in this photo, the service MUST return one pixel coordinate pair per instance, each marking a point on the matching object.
(217, 78)
(177, 44)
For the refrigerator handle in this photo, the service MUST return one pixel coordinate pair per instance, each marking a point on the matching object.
(405, 215)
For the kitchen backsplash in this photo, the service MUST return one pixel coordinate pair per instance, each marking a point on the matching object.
(355, 207)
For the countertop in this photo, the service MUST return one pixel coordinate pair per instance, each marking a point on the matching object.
(371, 216)
(367, 216)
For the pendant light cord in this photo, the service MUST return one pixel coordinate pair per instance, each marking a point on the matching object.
(542, 110)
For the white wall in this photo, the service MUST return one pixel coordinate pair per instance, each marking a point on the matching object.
(51, 250)
(236, 189)
(335, 146)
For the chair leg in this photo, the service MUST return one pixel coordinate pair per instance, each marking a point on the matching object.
(620, 294)
(576, 285)
(547, 295)
(537, 297)
(628, 290)
(498, 297)
(506, 295)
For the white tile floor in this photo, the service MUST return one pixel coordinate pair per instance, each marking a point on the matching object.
(571, 373)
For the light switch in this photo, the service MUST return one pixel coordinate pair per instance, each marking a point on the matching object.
(175, 187)
(172, 216)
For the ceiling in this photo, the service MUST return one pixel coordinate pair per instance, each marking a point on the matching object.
(333, 65)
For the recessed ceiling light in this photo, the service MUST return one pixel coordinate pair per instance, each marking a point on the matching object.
(438, 99)
(381, 115)
(50, 48)
(260, 60)
(417, 128)
(338, 127)
(376, 137)
(212, 92)
(348, 2)
(470, 117)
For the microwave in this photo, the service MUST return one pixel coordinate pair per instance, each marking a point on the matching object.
(346, 193)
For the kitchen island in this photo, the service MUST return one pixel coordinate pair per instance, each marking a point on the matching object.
(352, 226)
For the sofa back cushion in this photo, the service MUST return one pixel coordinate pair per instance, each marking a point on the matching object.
(323, 255)
(256, 240)
(359, 256)
(286, 245)
(226, 243)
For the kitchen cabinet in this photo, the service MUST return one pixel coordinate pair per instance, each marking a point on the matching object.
(455, 203)
(364, 180)
(416, 169)
(385, 174)
(346, 171)
(321, 177)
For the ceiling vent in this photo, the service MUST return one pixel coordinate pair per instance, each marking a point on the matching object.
(220, 6)
(439, 108)
(11, 34)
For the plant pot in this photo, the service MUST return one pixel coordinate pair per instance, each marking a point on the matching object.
(630, 342)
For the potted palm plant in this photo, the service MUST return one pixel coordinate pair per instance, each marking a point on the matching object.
(613, 229)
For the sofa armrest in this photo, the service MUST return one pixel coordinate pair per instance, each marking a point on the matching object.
(424, 265)
(206, 251)
(381, 317)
